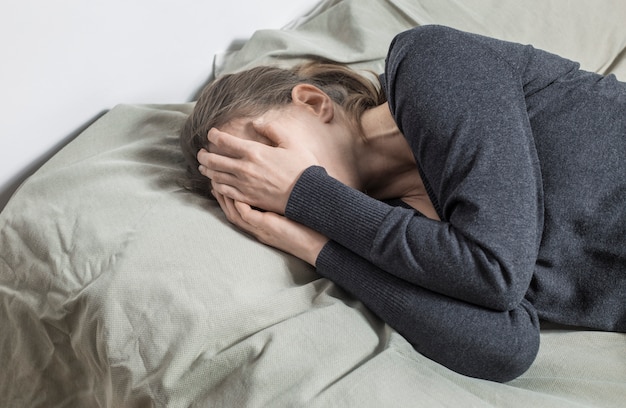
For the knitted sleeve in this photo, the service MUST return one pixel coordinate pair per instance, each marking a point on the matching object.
(459, 100)
(466, 338)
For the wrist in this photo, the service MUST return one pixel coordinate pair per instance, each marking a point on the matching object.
(316, 250)
(312, 248)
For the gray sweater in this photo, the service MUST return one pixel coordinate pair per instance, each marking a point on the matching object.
(524, 158)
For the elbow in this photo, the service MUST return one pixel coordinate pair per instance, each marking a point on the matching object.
(511, 355)
(514, 367)
(501, 298)
(499, 357)
(478, 342)
(508, 298)
(510, 366)
(509, 287)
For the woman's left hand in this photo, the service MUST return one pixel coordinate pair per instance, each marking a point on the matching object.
(254, 173)
(273, 229)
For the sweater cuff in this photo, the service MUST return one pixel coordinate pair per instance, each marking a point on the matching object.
(339, 212)
(382, 293)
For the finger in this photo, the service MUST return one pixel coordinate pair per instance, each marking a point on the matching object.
(248, 214)
(231, 213)
(220, 201)
(270, 130)
(253, 221)
(201, 156)
(241, 223)
(221, 198)
(215, 161)
(231, 146)
(230, 210)
(229, 191)
(222, 169)
(218, 176)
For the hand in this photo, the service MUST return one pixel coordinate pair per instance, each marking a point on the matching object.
(273, 229)
(254, 173)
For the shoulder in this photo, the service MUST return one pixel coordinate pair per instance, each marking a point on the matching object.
(447, 46)
(423, 43)
(437, 73)
(427, 35)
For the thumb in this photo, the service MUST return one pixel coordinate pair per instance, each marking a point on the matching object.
(271, 131)
(248, 214)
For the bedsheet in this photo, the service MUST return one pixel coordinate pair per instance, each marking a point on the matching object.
(119, 288)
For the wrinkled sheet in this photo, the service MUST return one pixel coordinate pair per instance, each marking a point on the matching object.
(118, 288)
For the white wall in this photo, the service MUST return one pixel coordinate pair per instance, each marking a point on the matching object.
(65, 62)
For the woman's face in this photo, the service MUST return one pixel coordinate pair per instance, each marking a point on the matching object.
(241, 128)
(314, 128)
(293, 121)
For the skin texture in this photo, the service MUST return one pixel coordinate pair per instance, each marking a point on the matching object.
(255, 162)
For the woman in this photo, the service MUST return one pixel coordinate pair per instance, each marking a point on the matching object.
(488, 192)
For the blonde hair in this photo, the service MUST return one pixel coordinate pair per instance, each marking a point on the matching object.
(253, 92)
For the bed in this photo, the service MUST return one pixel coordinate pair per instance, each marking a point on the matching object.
(119, 288)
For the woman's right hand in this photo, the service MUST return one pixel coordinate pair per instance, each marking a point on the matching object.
(253, 172)
(273, 229)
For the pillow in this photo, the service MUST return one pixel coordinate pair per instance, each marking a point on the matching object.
(358, 32)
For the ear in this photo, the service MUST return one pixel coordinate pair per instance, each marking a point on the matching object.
(315, 99)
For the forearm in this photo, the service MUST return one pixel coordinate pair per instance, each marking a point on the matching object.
(307, 247)
(466, 338)
(335, 210)
(430, 254)
(274, 230)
